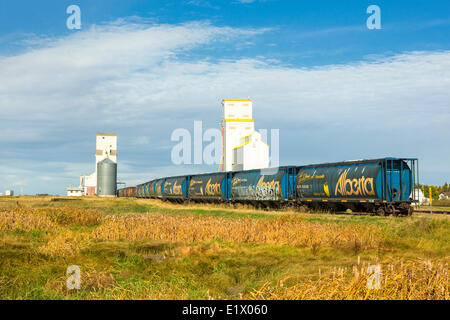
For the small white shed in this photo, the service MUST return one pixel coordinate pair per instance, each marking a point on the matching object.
(75, 192)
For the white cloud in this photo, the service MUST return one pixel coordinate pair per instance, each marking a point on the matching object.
(203, 3)
(137, 79)
(140, 140)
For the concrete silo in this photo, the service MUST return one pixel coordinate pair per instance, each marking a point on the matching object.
(106, 178)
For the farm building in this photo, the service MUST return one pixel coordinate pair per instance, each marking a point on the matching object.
(106, 147)
(444, 196)
(74, 191)
(419, 195)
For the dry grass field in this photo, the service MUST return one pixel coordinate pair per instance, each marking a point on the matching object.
(149, 249)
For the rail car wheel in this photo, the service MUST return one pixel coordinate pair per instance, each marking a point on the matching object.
(394, 211)
(304, 208)
(406, 212)
(380, 212)
(405, 209)
(307, 208)
(388, 210)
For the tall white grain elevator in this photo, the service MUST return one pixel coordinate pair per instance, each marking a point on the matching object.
(106, 147)
(243, 148)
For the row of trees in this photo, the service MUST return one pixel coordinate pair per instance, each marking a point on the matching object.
(435, 190)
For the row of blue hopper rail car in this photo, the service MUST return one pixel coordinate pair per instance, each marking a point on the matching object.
(378, 186)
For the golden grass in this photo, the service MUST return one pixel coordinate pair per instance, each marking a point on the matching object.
(132, 257)
(66, 215)
(15, 220)
(400, 281)
(91, 280)
(61, 242)
(23, 218)
(282, 231)
(66, 244)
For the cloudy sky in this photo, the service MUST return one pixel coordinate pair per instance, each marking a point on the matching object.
(335, 89)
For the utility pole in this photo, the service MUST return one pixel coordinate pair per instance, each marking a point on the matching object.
(21, 186)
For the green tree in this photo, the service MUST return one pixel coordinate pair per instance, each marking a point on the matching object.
(446, 187)
(434, 191)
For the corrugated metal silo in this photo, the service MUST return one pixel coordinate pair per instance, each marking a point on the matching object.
(106, 178)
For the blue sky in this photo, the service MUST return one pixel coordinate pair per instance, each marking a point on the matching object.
(335, 89)
(304, 33)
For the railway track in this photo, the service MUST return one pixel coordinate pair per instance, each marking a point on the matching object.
(434, 211)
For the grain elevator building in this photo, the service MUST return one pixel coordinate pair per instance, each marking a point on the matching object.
(243, 148)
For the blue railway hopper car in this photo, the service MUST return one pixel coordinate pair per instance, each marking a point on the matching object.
(210, 187)
(175, 188)
(151, 189)
(159, 188)
(267, 186)
(147, 189)
(380, 186)
(140, 190)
